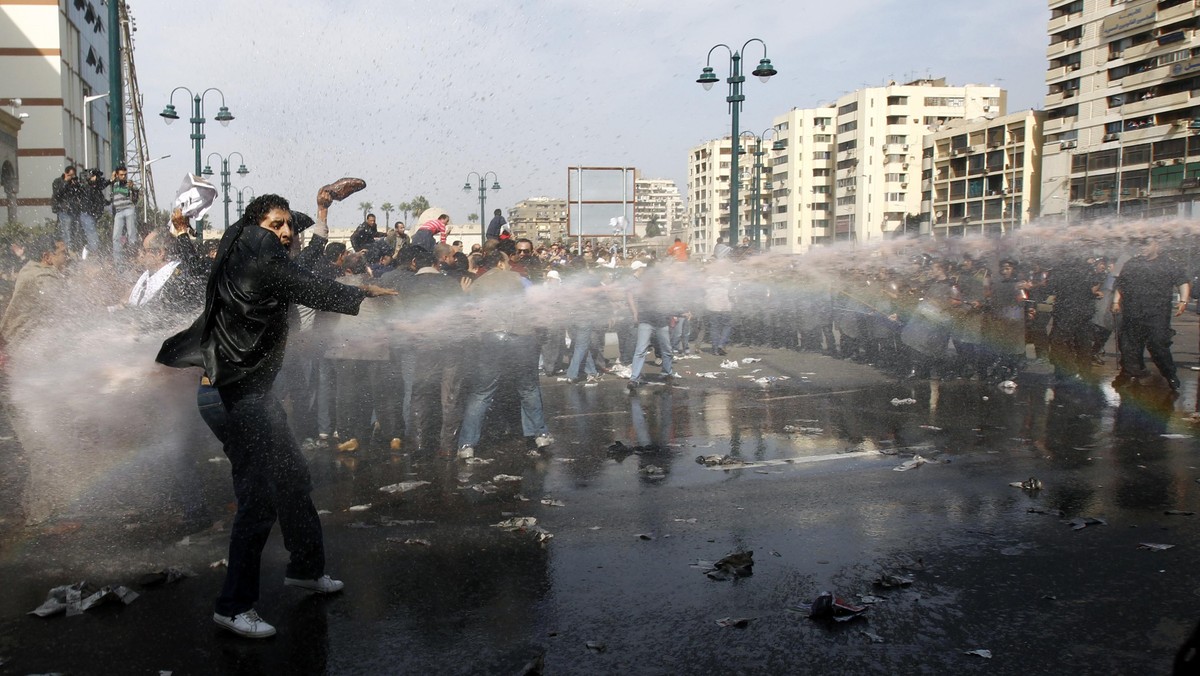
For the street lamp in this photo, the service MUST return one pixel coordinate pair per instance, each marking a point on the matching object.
(197, 119)
(482, 198)
(708, 78)
(758, 165)
(241, 171)
(240, 193)
(145, 182)
(87, 105)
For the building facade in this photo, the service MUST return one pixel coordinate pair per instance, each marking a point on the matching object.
(540, 219)
(1123, 112)
(982, 176)
(658, 205)
(51, 57)
(709, 194)
(801, 185)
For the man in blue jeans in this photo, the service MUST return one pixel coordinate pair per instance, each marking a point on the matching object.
(66, 201)
(124, 206)
(239, 339)
(646, 305)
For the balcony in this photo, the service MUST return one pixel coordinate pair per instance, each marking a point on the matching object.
(1158, 102)
(1180, 11)
(1146, 77)
(1063, 46)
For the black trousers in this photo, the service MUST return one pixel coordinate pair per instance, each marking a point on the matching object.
(1138, 335)
(271, 482)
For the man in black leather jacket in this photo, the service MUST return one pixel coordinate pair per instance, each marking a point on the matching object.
(239, 340)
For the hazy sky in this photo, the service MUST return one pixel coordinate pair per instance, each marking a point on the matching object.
(412, 96)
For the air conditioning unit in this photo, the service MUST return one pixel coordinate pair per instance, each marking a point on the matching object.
(904, 166)
(904, 184)
(1182, 124)
(1159, 163)
(1068, 93)
(1067, 145)
(1111, 137)
(1177, 160)
(1075, 66)
(905, 146)
(1076, 42)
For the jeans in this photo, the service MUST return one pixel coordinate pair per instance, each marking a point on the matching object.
(581, 353)
(66, 223)
(271, 482)
(502, 354)
(124, 227)
(88, 222)
(680, 335)
(662, 334)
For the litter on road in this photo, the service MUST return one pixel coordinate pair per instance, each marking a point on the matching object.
(1081, 522)
(1154, 546)
(738, 564)
(1030, 484)
(403, 486)
(915, 462)
(979, 652)
(739, 622)
(829, 607)
(903, 402)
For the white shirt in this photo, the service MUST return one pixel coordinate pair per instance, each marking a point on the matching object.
(148, 285)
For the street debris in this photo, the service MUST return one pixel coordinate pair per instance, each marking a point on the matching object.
(1175, 436)
(1178, 512)
(717, 460)
(476, 460)
(1044, 510)
(890, 581)
(218, 459)
(739, 622)
(516, 523)
(1030, 484)
(932, 428)
(69, 599)
(359, 508)
(738, 564)
(979, 652)
(219, 563)
(653, 472)
(915, 462)
(1154, 546)
(417, 542)
(730, 364)
(867, 599)
(875, 638)
(595, 646)
(553, 503)
(750, 360)
(1081, 522)
(829, 607)
(644, 536)
(501, 478)
(710, 374)
(903, 402)
(165, 576)
(770, 380)
(323, 512)
(803, 430)
(1007, 386)
(684, 520)
(403, 486)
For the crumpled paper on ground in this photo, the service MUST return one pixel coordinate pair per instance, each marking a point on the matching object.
(913, 463)
(69, 599)
(403, 486)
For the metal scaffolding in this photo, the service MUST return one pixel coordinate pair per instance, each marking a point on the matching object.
(136, 150)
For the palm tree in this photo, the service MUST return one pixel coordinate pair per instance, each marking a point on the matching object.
(366, 207)
(418, 205)
(473, 218)
(404, 208)
(387, 210)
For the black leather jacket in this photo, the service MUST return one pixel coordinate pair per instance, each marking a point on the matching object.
(240, 337)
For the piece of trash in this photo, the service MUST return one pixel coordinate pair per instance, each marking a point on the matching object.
(217, 459)
(417, 542)
(1047, 512)
(739, 622)
(750, 360)
(502, 478)
(777, 554)
(476, 460)
(903, 402)
(933, 428)
(867, 599)
(1154, 546)
(61, 599)
(717, 460)
(875, 638)
(730, 364)
(913, 463)
(362, 524)
(219, 563)
(1081, 522)
(1175, 436)
(553, 503)
(803, 430)
(653, 472)
(516, 523)
(540, 534)
(403, 486)
(738, 564)
(709, 374)
(979, 652)
(1178, 512)
(1030, 484)
(595, 646)
(323, 512)
(1007, 386)
(890, 581)
(644, 536)
(829, 607)
(165, 576)
(359, 508)
(684, 520)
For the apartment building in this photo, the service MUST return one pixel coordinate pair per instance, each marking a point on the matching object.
(709, 171)
(801, 185)
(1123, 108)
(540, 219)
(879, 134)
(982, 176)
(52, 55)
(657, 203)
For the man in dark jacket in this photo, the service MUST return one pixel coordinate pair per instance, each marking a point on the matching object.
(1145, 301)
(239, 339)
(66, 201)
(365, 234)
(496, 226)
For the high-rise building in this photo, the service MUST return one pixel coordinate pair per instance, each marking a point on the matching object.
(879, 134)
(541, 219)
(1122, 116)
(801, 185)
(657, 203)
(709, 170)
(52, 56)
(981, 176)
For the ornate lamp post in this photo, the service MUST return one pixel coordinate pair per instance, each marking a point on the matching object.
(241, 171)
(482, 198)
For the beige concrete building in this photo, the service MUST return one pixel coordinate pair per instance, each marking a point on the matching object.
(540, 219)
(801, 184)
(1123, 108)
(709, 171)
(10, 177)
(982, 176)
(657, 201)
(877, 162)
(52, 55)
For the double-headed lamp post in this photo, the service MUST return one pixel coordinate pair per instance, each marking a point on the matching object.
(758, 165)
(241, 193)
(197, 119)
(241, 171)
(708, 78)
(483, 220)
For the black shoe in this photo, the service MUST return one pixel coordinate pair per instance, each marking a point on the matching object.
(633, 385)
(721, 352)
(1122, 380)
(1174, 383)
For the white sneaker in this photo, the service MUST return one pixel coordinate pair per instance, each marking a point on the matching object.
(321, 585)
(466, 452)
(247, 624)
(543, 440)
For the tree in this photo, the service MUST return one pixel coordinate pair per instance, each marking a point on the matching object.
(473, 218)
(404, 208)
(366, 207)
(653, 229)
(387, 210)
(418, 205)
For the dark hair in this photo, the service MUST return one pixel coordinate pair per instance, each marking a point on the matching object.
(332, 251)
(508, 246)
(69, 167)
(370, 215)
(120, 167)
(262, 205)
(492, 258)
(497, 212)
(46, 244)
(405, 255)
(424, 259)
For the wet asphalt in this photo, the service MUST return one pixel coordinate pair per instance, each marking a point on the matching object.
(433, 586)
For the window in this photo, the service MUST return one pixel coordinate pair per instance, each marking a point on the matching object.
(848, 108)
(847, 126)
(822, 121)
(822, 138)
(894, 157)
(895, 178)
(845, 201)
(820, 173)
(821, 155)
(895, 138)
(819, 206)
(895, 196)
(847, 145)
(821, 189)
(897, 100)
